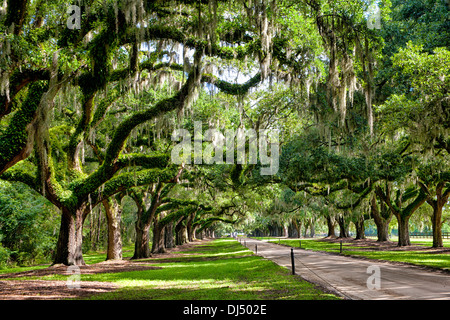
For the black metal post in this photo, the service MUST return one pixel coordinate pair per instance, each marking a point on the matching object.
(292, 261)
(299, 243)
(256, 249)
(340, 250)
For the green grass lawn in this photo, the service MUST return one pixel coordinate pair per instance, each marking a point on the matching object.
(22, 269)
(221, 269)
(99, 256)
(429, 259)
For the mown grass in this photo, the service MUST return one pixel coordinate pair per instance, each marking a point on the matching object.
(434, 260)
(221, 269)
(92, 257)
(417, 257)
(22, 269)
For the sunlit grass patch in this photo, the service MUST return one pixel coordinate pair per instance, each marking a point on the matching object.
(435, 260)
(22, 269)
(92, 257)
(313, 244)
(228, 271)
(423, 258)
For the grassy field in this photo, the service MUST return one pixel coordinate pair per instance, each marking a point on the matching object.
(421, 257)
(219, 269)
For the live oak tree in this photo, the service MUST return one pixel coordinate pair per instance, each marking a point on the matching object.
(382, 216)
(113, 213)
(150, 202)
(434, 180)
(403, 204)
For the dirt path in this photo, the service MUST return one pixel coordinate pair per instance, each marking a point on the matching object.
(351, 277)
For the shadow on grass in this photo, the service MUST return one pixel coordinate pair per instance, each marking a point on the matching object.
(219, 270)
(225, 292)
(234, 278)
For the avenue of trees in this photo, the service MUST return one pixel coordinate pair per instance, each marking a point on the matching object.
(91, 93)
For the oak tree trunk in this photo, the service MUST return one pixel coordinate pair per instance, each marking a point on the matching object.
(142, 243)
(343, 227)
(181, 234)
(312, 230)
(331, 228)
(403, 231)
(192, 233)
(70, 239)
(297, 225)
(113, 215)
(436, 220)
(359, 224)
(382, 230)
(305, 231)
(285, 231)
(169, 241)
(382, 217)
(158, 239)
(189, 227)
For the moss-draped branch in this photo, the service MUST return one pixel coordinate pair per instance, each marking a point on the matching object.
(127, 180)
(13, 142)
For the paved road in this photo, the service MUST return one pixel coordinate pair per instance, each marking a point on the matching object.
(357, 278)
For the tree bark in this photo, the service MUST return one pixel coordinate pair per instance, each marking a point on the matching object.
(190, 227)
(144, 220)
(113, 215)
(382, 217)
(70, 239)
(305, 230)
(285, 231)
(158, 238)
(298, 226)
(343, 227)
(331, 227)
(382, 230)
(181, 235)
(142, 243)
(169, 241)
(402, 214)
(359, 224)
(436, 220)
(193, 237)
(312, 230)
(403, 230)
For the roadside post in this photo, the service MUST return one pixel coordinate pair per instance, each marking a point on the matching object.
(292, 261)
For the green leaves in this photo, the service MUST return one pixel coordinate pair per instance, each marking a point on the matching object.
(303, 161)
(27, 225)
(423, 110)
(429, 73)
